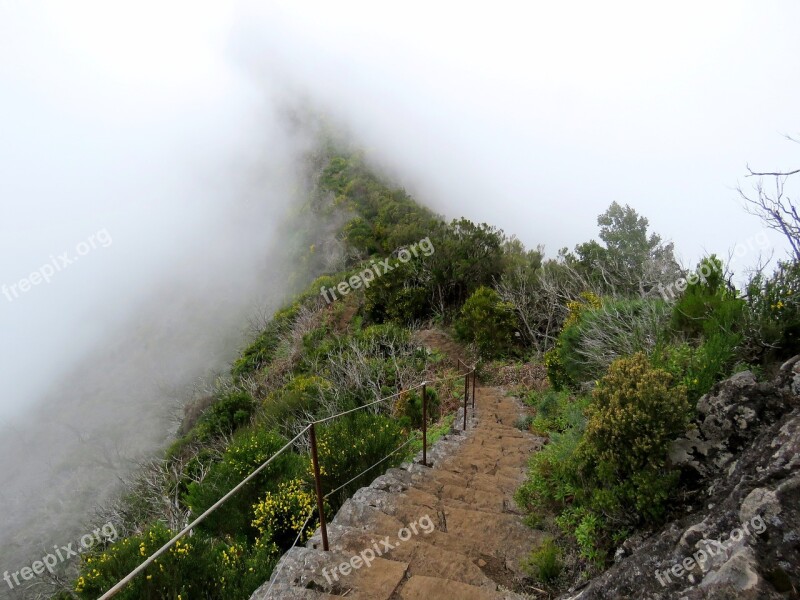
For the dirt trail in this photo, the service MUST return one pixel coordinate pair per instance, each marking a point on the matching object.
(470, 535)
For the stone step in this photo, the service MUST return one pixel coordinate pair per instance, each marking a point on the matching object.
(429, 501)
(422, 558)
(313, 574)
(434, 479)
(428, 588)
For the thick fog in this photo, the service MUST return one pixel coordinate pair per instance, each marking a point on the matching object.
(145, 167)
(144, 179)
(536, 116)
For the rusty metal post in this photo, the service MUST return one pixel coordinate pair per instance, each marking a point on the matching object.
(466, 398)
(473, 391)
(424, 425)
(320, 502)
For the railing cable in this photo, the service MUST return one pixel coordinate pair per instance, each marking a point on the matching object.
(395, 451)
(113, 591)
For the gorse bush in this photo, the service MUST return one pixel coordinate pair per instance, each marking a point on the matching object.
(488, 322)
(280, 516)
(634, 415)
(195, 567)
(774, 308)
(248, 451)
(173, 572)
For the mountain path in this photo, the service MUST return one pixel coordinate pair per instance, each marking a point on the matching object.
(450, 530)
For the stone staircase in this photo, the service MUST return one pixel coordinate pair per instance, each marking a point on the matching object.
(447, 531)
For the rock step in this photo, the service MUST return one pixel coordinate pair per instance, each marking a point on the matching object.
(432, 500)
(428, 588)
(421, 557)
(308, 573)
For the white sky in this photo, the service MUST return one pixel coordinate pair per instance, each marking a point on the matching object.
(130, 116)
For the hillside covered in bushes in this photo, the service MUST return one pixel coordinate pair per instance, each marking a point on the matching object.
(629, 339)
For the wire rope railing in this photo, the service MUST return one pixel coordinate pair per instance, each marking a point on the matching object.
(311, 430)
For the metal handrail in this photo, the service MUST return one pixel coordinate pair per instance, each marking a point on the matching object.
(320, 498)
(117, 588)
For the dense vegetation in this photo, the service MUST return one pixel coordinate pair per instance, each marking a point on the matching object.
(626, 369)
(626, 362)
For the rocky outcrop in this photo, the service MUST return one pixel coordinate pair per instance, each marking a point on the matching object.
(739, 536)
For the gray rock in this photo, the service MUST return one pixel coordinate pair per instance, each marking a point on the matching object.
(740, 464)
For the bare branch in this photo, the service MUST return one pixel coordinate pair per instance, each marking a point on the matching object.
(752, 173)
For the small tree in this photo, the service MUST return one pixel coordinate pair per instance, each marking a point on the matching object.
(630, 261)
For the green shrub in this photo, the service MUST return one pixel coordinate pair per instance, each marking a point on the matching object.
(612, 475)
(635, 413)
(552, 483)
(556, 411)
(544, 563)
(399, 295)
(698, 368)
(385, 337)
(348, 445)
(556, 374)
(554, 359)
(708, 305)
(488, 322)
(409, 406)
(589, 530)
(248, 451)
(189, 568)
(194, 567)
(229, 413)
(617, 328)
(293, 403)
(774, 309)
(524, 423)
(262, 350)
